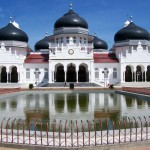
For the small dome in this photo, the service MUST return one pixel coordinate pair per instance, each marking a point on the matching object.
(132, 32)
(10, 32)
(71, 19)
(43, 44)
(99, 44)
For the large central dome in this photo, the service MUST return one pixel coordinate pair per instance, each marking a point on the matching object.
(71, 19)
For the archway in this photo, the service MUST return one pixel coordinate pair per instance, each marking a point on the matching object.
(82, 77)
(60, 74)
(71, 74)
(138, 74)
(128, 74)
(14, 75)
(148, 73)
(3, 75)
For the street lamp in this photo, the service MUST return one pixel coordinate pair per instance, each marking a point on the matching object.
(37, 76)
(105, 72)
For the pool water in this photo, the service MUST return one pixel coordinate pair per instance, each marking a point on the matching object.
(76, 106)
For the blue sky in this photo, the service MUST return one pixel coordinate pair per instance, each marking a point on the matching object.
(105, 17)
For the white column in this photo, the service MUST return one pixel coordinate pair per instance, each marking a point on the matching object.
(91, 71)
(77, 69)
(145, 76)
(51, 72)
(65, 71)
(7, 71)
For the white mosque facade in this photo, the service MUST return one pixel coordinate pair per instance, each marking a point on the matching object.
(72, 55)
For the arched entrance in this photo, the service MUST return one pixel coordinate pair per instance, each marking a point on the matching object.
(148, 73)
(3, 75)
(138, 74)
(71, 74)
(14, 75)
(128, 74)
(60, 74)
(82, 77)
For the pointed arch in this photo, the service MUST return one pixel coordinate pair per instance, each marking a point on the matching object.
(14, 75)
(71, 73)
(59, 73)
(3, 75)
(148, 73)
(83, 73)
(128, 74)
(138, 73)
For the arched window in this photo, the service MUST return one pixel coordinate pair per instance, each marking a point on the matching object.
(27, 73)
(67, 39)
(96, 73)
(61, 40)
(74, 40)
(80, 40)
(45, 73)
(57, 40)
(114, 73)
(84, 40)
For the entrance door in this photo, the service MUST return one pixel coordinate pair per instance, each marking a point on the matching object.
(71, 74)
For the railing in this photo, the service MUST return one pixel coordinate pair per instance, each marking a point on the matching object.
(75, 133)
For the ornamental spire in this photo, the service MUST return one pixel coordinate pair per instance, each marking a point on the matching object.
(70, 6)
(131, 18)
(10, 19)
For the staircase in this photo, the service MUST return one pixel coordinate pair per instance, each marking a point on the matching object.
(79, 84)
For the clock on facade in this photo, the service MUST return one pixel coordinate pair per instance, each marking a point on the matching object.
(71, 51)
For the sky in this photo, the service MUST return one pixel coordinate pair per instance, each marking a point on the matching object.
(104, 17)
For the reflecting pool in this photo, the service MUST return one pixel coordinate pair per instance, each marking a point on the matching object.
(46, 106)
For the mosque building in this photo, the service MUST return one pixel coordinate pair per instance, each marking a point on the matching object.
(72, 55)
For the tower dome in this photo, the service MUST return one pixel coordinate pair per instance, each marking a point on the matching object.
(99, 43)
(132, 32)
(71, 19)
(11, 32)
(43, 43)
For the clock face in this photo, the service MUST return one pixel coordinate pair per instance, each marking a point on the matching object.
(71, 51)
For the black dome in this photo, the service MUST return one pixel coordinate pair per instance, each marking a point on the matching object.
(99, 44)
(43, 44)
(10, 32)
(132, 32)
(71, 19)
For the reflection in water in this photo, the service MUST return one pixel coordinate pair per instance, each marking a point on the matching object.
(83, 102)
(59, 103)
(71, 102)
(48, 106)
(129, 101)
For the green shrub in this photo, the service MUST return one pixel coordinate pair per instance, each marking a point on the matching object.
(31, 86)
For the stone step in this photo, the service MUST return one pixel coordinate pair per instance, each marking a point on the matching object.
(81, 84)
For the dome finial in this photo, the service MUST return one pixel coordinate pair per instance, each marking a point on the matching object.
(94, 33)
(70, 6)
(131, 18)
(46, 33)
(10, 18)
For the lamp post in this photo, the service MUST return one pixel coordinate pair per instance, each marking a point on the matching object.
(105, 72)
(37, 77)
